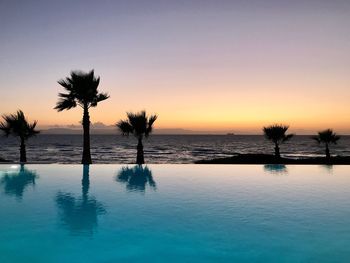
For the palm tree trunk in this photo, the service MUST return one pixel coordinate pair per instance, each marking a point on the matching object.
(23, 155)
(140, 158)
(277, 151)
(86, 137)
(328, 155)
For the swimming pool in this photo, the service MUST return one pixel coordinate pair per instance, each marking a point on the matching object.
(174, 213)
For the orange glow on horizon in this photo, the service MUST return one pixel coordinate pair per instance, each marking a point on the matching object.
(244, 109)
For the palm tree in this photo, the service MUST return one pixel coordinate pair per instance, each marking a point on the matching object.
(82, 91)
(327, 137)
(140, 125)
(17, 125)
(277, 134)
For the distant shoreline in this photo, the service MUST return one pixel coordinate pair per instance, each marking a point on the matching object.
(271, 159)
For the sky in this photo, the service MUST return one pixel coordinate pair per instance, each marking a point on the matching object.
(201, 65)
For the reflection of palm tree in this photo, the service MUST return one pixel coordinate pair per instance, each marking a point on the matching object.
(277, 134)
(136, 178)
(327, 137)
(276, 168)
(140, 125)
(328, 168)
(81, 91)
(17, 125)
(80, 214)
(15, 183)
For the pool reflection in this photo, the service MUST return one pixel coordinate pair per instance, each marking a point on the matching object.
(16, 181)
(80, 214)
(277, 169)
(328, 168)
(136, 178)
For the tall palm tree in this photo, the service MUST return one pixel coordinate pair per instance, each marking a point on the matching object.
(17, 125)
(277, 134)
(82, 91)
(327, 137)
(140, 125)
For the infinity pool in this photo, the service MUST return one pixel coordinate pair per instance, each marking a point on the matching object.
(174, 213)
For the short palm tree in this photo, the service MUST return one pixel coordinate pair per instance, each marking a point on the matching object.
(17, 125)
(82, 91)
(140, 125)
(327, 137)
(277, 134)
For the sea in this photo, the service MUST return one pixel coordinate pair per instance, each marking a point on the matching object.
(49, 148)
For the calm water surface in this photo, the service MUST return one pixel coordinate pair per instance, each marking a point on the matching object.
(159, 148)
(174, 213)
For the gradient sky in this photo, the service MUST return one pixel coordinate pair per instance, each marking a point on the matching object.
(201, 65)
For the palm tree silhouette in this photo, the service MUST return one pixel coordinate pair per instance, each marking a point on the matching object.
(277, 134)
(17, 125)
(327, 137)
(82, 91)
(16, 182)
(140, 125)
(136, 178)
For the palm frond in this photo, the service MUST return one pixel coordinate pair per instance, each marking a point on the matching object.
(31, 129)
(124, 127)
(151, 120)
(4, 127)
(99, 97)
(65, 104)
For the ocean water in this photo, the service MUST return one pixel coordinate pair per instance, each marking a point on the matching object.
(159, 148)
(174, 213)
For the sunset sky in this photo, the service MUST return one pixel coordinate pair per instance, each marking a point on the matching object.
(200, 65)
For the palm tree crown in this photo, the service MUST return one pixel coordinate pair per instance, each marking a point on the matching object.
(138, 124)
(17, 125)
(277, 134)
(327, 137)
(82, 91)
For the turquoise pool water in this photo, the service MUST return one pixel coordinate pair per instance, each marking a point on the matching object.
(174, 213)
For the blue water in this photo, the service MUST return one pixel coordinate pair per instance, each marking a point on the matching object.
(174, 213)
